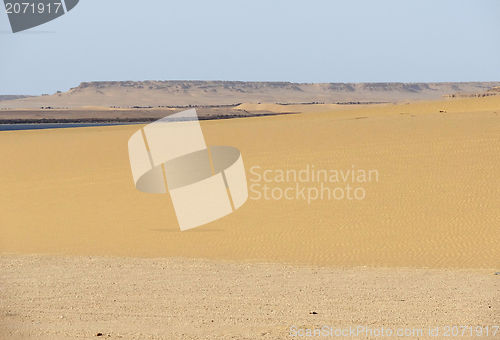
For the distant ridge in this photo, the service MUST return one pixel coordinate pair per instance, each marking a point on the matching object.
(153, 93)
(495, 91)
(12, 97)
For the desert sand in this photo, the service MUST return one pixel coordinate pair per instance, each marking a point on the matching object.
(56, 297)
(434, 204)
(426, 231)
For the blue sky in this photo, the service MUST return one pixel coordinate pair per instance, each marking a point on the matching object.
(271, 40)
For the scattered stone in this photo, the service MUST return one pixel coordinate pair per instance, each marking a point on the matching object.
(98, 334)
(313, 313)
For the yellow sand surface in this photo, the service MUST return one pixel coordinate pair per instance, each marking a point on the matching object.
(47, 297)
(435, 204)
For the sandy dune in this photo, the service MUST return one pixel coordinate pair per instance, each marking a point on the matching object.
(268, 265)
(435, 204)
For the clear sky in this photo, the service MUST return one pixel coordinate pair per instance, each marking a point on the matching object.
(255, 40)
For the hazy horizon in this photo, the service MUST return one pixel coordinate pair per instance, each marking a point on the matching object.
(301, 42)
(251, 81)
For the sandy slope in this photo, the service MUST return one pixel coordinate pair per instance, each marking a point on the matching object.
(435, 204)
(70, 192)
(56, 298)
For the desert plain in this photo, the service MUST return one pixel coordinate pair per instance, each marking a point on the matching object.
(84, 255)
